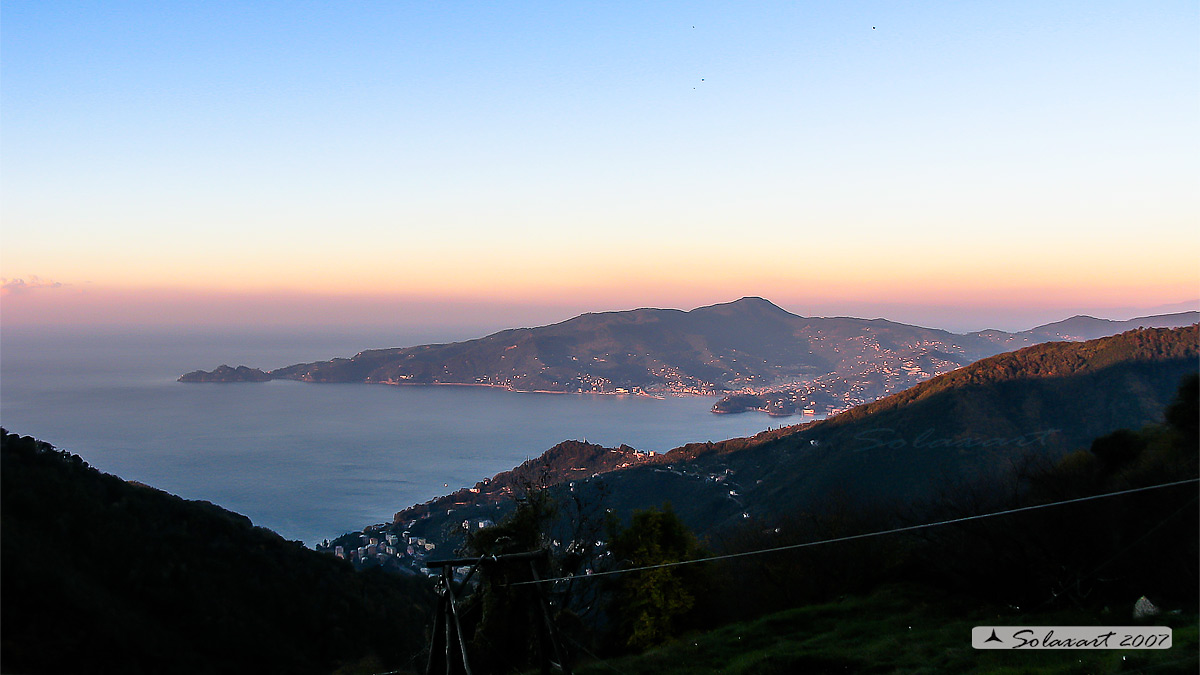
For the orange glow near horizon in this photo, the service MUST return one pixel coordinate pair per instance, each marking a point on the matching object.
(552, 280)
(550, 274)
(528, 303)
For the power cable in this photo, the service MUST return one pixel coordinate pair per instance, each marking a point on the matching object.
(907, 528)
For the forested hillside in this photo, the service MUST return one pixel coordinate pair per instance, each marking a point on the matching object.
(104, 576)
(991, 418)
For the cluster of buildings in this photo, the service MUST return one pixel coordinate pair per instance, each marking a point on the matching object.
(391, 545)
(403, 552)
(870, 379)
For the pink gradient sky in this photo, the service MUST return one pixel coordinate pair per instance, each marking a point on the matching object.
(957, 165)
(960, 310)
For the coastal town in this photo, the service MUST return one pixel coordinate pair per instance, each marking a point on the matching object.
(428, 529)
(377, 547)
(836, 392)
(437, 529)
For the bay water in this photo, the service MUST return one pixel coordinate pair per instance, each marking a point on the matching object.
(310, 461)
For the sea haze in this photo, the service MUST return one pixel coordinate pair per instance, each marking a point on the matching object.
(306, 460)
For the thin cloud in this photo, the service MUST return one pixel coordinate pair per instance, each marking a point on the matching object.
(14, 286)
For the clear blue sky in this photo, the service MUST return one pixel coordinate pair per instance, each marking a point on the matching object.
(834, 157)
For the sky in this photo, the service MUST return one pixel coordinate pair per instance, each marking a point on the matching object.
(957, 165)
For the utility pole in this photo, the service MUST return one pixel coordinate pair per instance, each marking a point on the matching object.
(448, 648)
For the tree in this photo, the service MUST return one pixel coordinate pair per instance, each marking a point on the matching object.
(653, 605)
(505, 621)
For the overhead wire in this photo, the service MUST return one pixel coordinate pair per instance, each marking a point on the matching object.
(865, 535)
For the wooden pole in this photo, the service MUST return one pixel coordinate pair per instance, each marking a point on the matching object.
(448, 580)
(447, 627)
(434, 639)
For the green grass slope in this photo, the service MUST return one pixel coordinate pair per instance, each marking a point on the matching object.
(902, 630)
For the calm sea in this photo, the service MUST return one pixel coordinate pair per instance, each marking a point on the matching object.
(306, 460)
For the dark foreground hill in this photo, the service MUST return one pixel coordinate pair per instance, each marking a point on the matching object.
(103, 576)
(986, 420)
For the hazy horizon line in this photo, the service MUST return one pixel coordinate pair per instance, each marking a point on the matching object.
(463, 318)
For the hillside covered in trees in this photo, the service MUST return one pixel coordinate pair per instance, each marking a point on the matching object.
(104, 576)
(990, 418)
(1106, 535)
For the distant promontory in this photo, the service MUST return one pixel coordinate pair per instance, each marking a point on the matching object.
(756, 354)
(224, 373)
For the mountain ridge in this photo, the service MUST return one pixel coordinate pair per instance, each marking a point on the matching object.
(750, 348)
